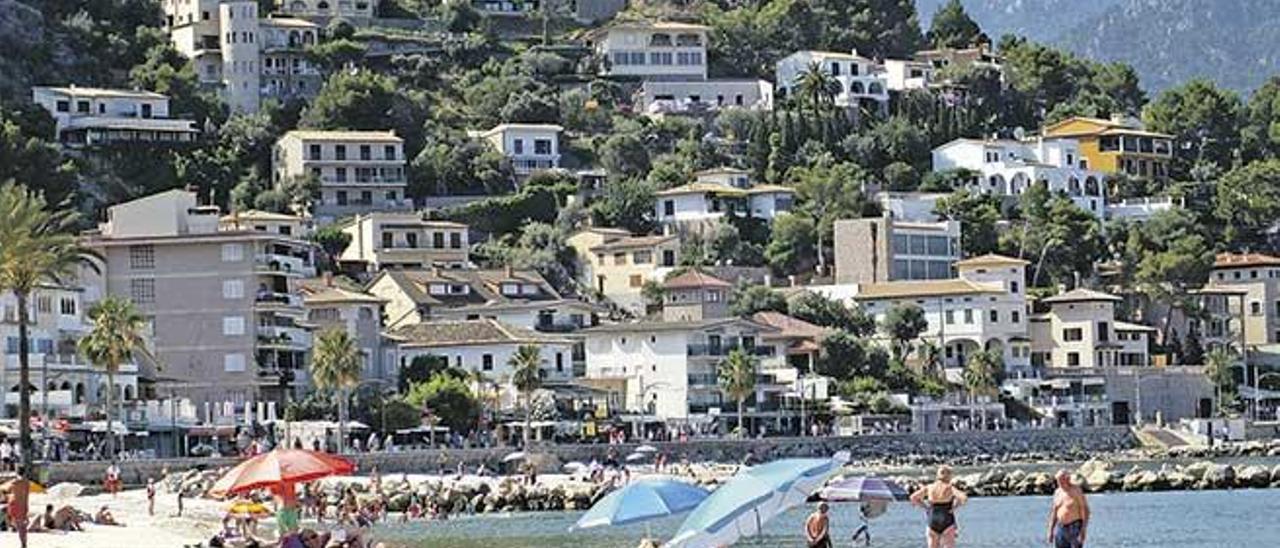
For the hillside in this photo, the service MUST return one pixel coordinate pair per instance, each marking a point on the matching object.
(1167, 41)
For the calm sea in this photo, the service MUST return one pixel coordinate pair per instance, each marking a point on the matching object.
(1208, 519)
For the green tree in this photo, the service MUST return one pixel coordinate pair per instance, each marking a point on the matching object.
(627, 204)
(952, 27)
(332, 240)
(335, 367)
(1201, 116)
(337, 54)
(828, 191)
(420, 370)
(903, 323)
(1248, 202)
(1218, 364)
(817, 88)
(526, 366)
(166, 70)
(113, 340)
(448, 398)
(27, 155)
(1169, 256)
(624, 155)
(737, 377)
(982, 370)
(36, 247)
(747, 299)
(978, 215)
(791, 245)
(819, 310)
(845, 355)
(1260, 134)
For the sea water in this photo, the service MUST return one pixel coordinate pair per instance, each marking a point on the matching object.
(1204, 519)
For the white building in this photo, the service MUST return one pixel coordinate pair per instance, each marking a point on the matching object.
(529, 147)
(96, 116)
(652, 51)
(58, 318)
(521, 298)
(907, 74)
(1080, 330)
(246, 57)
(382, 241)
(861, 79)
(985, 308)
(358, 171)
(1008, 167)
(266, 221)
(704, 96)
(719, 192)
(358, 10)
(914, 207)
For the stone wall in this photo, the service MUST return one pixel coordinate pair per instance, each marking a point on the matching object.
(1056, 444)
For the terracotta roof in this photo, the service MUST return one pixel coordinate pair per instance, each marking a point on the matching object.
(702, 188)
(922, 288)
(1242, 260)
(469, 333)
(990, 259)
(658, 325)
(331, 295)
(320, 283)
(694, 279)
(1081, 295)
(789, 326)
(485, 286)
(344, 135)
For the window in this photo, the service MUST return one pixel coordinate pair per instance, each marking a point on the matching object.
(142, 290)
(542, 147)
(340, 174)
(44, 304)
(713, 296)
(233, 363)
(510, 289)
(233, 325)
(388, 240)
(437, 289)
(411, 238)
(1072, 334)
(486, 362)
(142, 257)
(559, 362)
(1015, 316)
(668, 257)
(668, 207)
(968, 316)
(314, 152)
(619, 259)
(340, 152)
(389, 152)
(64, 106)
(1255, 308)
(636, 280)
(642, 257)
(517, 146)
(67, 306)
(455, 240)
(1013, 287)
(995, 316)
(366, 152)
(1104, 332)
(950, 317)
(232, 253)
(82, 107)
(1073, 359)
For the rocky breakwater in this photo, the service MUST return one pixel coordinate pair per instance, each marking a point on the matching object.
(1255, 448)
(1098, 476)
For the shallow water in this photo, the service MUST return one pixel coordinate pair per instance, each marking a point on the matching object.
(1195, 519)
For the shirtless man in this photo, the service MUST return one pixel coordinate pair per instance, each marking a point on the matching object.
(1069, 517)
(817, 528)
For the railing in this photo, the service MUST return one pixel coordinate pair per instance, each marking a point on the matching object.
(284, 299)
(1054, 401)
(362, 180)
(286, 263)
(724, 350)
(703, 379)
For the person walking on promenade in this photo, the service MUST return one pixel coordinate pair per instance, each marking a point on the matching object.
(151, 496)
(817, 528)
(1069, 516)
(941, 499)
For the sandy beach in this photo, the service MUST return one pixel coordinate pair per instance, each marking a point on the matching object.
(200, 519)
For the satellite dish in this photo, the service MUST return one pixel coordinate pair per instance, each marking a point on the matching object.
(1019, 133)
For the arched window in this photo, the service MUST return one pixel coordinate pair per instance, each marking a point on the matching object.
(1091, 186)
(856, 88)
(1073, 186)
(875, 88)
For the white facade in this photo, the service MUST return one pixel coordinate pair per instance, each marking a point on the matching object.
(906, 75)
(1080, 331)
(657, 51)
(717, 192)
(914, 207)
(324, 9)
(358, 171)
(58, 317)
(669, 368)
(860, 78)
(1008, 167)
(530, 147)
(616, 264)
(95, 116)
(1139, 209)
(698, 96)
(984, 309)
(405, 241)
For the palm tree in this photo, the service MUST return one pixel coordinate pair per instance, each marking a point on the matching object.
(818, 88)
(36, 246)
(980, 372)
(116, 334)
(1217, 368)
(737, 376)
(930, 355)
(526, 367)
(335, 365)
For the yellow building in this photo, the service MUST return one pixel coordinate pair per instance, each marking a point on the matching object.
(1117, 145)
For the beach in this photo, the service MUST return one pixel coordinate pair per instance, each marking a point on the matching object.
(200, 519)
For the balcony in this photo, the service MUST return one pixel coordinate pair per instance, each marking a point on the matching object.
(269, 299)
(285, 264)
(371, 181)
(698, 350)
(609, 372)
(283, 336)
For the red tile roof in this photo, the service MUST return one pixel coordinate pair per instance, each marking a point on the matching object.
(1241, 260)
(695, 279)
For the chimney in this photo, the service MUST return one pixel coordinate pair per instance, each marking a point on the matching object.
(511, 272)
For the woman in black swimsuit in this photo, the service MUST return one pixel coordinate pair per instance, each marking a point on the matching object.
(941, 499)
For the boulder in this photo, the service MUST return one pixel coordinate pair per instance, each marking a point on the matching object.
(1220, 476)
(1253, 476)
(1197, 470)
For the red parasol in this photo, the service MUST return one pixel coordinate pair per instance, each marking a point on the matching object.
(279, 468)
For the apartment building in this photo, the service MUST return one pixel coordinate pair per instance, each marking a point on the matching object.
(381, 241)
(885, 249)
(68, 384)
(1080, 330)
(359, 171)
(861, 79)
(87, 117)
(360, 11)
(652, 51)
(718, 192)
(984, 308)
(617, 264)
(337, 303)
(1241, 301)
(227, 319)
(520, 298)
(269, 222)
(1117, 145)
(529, 147)
(244, 55)
(659, 97)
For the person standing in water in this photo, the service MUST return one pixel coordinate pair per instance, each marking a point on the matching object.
(817, 528)
(1069, 516)
(941, 499)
